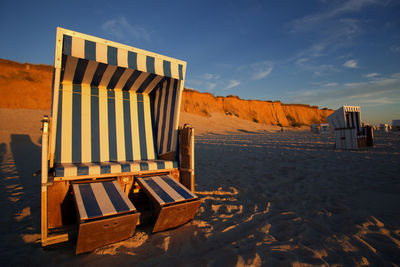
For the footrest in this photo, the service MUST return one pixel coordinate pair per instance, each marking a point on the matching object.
(165, 189)
(106, 215)
(174, 203)
(100, 199)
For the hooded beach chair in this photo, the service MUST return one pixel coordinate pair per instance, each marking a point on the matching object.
(349, 134)
(112, 153)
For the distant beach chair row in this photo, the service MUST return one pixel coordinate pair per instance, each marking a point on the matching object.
(320, 128)
(112, 153)
(349, 133)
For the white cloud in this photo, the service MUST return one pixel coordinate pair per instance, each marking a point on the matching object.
(395, 48)
(123, 30)
(211, 86)
(331, 84)
(331, 29)
(312, 21)
(352, 63)
(373, 92)
(301, 60)
(257, 70)
(331, 36)
(209, 76)
(371, 75)
(317, 69)
(232, 83)
(262, 73)
(355, 84)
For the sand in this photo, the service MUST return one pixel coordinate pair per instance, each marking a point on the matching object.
(270, 198)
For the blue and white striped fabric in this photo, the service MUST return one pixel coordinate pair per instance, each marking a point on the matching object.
(115, 57)
(96, 74)
(115, 104)
(101, 199)
(103, 126)
(95, 168)
(165, 190)
(166, 107)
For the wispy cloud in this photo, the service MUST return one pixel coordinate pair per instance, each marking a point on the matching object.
(328, 40)
(211, 86)
(311, 21)
(373, 92)
(121, 29)
(206, 81)
(210, 76)
(331, 29)
(232, 83)
(395, 48)
(331, 84)
(257, 70)
(352, 63)
(318, 69)
(262, 73)
(371, 75)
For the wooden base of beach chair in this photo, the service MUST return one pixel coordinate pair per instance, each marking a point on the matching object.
(106, 215)
(176, 215)
(174, 204)
(96, 234)
(51, 240)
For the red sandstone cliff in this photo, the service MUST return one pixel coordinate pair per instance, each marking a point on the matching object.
(267, 112)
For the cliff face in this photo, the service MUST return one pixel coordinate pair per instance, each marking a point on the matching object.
(28, 86)
(25, 85)
(273, 113)
(303, 114)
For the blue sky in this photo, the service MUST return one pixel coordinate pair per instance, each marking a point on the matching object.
(318, 52)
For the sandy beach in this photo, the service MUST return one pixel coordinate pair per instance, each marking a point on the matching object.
(270, 198)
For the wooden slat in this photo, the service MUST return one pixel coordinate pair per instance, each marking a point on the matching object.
(106, 175)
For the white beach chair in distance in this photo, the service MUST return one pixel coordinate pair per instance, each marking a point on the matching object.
(115, 114)
(349, 134)
(324, 128)
(395, 125)
(314, 128)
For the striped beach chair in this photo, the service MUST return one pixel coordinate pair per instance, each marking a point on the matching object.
(115, 114)
(349, 133)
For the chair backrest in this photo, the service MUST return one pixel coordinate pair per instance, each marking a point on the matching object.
(112, 102)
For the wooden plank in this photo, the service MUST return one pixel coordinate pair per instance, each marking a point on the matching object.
(53, 120)
(54, 240)
(44, 229)
(96, 234)
(106, 175)
(60, 206)
(176, 215)
(187, 157)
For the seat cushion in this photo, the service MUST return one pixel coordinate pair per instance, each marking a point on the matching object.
(110, 167)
